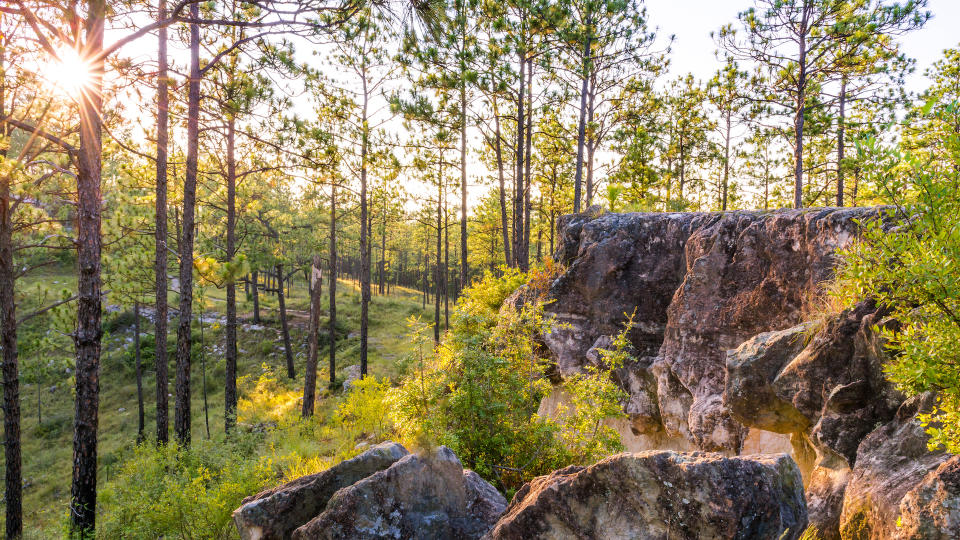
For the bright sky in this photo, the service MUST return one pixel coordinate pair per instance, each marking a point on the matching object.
(691, 21)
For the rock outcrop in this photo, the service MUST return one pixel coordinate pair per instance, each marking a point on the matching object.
(274, 514)
(661, 495)
(385, 492)
(733, 355)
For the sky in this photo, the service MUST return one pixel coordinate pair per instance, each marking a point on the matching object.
(691, 21)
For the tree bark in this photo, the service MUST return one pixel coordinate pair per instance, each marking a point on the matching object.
(528, 156)
(230, 375)
(310, 377)
(160, 233)
(182, 405)
(364, 237)
(799, 115)
(505, 226)
(284, 326)
(255, 288)
(139, 371)
(726, 163)
(332, 323)
(8, 341)
(83, 490)
(437, 284)
(464, 265)
(518, 178)
(841, 131)
(581, 126)
(591, 141)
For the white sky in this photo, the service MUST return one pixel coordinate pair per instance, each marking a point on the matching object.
(691, 21)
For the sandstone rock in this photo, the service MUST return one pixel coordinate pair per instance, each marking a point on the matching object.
(276, 513)
(891, 462)
(751, 370)
(931, 510)
(701, 284)
(418, 497)
(660, 495)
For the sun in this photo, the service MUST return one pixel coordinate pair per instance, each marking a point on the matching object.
(68, 73)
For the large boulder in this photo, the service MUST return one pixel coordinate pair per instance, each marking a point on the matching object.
(698, 284)
(418, 497)
(932, 509)
(892, 462)
(274, 514)
(660, 495)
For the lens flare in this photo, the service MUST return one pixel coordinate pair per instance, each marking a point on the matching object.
(69, 73)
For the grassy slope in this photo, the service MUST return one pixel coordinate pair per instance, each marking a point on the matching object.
(47, 448)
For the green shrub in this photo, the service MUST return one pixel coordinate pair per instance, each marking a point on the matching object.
(171, 492)
(480, 389)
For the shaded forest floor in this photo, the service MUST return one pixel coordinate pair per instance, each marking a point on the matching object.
(47, 437)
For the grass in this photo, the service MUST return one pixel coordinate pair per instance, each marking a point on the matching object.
(47, 445)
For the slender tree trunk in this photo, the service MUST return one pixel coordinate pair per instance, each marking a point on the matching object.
(181, 420)
(203, 371)
(518, 179)
(383, 250)
(591, 141)
(8, 341)
(799, 116)
(310, 377)
(230, 375)
(505, 227)
(139, 371)
(726, 163)
(464, 265)
(528, 154)
(582, 122)
(87, 338)
(160, 234)
(332, 323)
(437, 282)
(446, 266)
(841, 131)
(255, 290)
(284, 326)
(364, 238)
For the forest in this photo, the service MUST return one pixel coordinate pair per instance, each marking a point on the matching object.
(243, 240)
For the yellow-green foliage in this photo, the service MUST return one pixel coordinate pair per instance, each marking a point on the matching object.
(175, 493)
(480, 390)
(914, 270)
(365, 412)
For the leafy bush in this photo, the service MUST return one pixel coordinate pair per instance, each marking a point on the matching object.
(171, 492)
(480, 390)
(914, 270)
(364, 412)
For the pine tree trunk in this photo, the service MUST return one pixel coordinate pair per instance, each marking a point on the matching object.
(799, 113)
(464, 268)
(841, 131)
(87, 338)
(139, 371)
(504, 224)
(332, 326)
(518, 178)
(255, 290)
(182, 418)
(446, 266)
(528, 157)
(726, 164)
(591, 141)
(8, 341)
(581, 125)
(310, 376)
(230, 374)
(284, 326)
(160, 234)
(436, 283)
(364, 239)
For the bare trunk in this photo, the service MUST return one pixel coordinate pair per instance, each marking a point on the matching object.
(841, 131)
(726, 164)
(8, 341)
(284, 326)
(582, 123)
(332, 323)
(230, 375)
(436, 283)
(160, 234)
(798, 119)
(591, 142)
(464, 268)
(255, 288)
(139, 370)
(518, 178)
(364, 240)
(504, 224)
(528, 153)
(310, 376)
(182, 418)
(87, 338)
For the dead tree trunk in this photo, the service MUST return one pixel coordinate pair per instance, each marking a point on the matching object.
(310, 378)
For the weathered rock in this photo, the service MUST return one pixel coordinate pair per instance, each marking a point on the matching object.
(660, 495)
(418, 497)
(350, 376)
(752, 369)
(276, 513)
(700, 284)
(931, 510)
(891, 462)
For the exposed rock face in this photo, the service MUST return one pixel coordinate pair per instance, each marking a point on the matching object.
(895, 472)
(932, 509)
(275, 513)
(700, 284)
(421, 497)
(660, 495)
